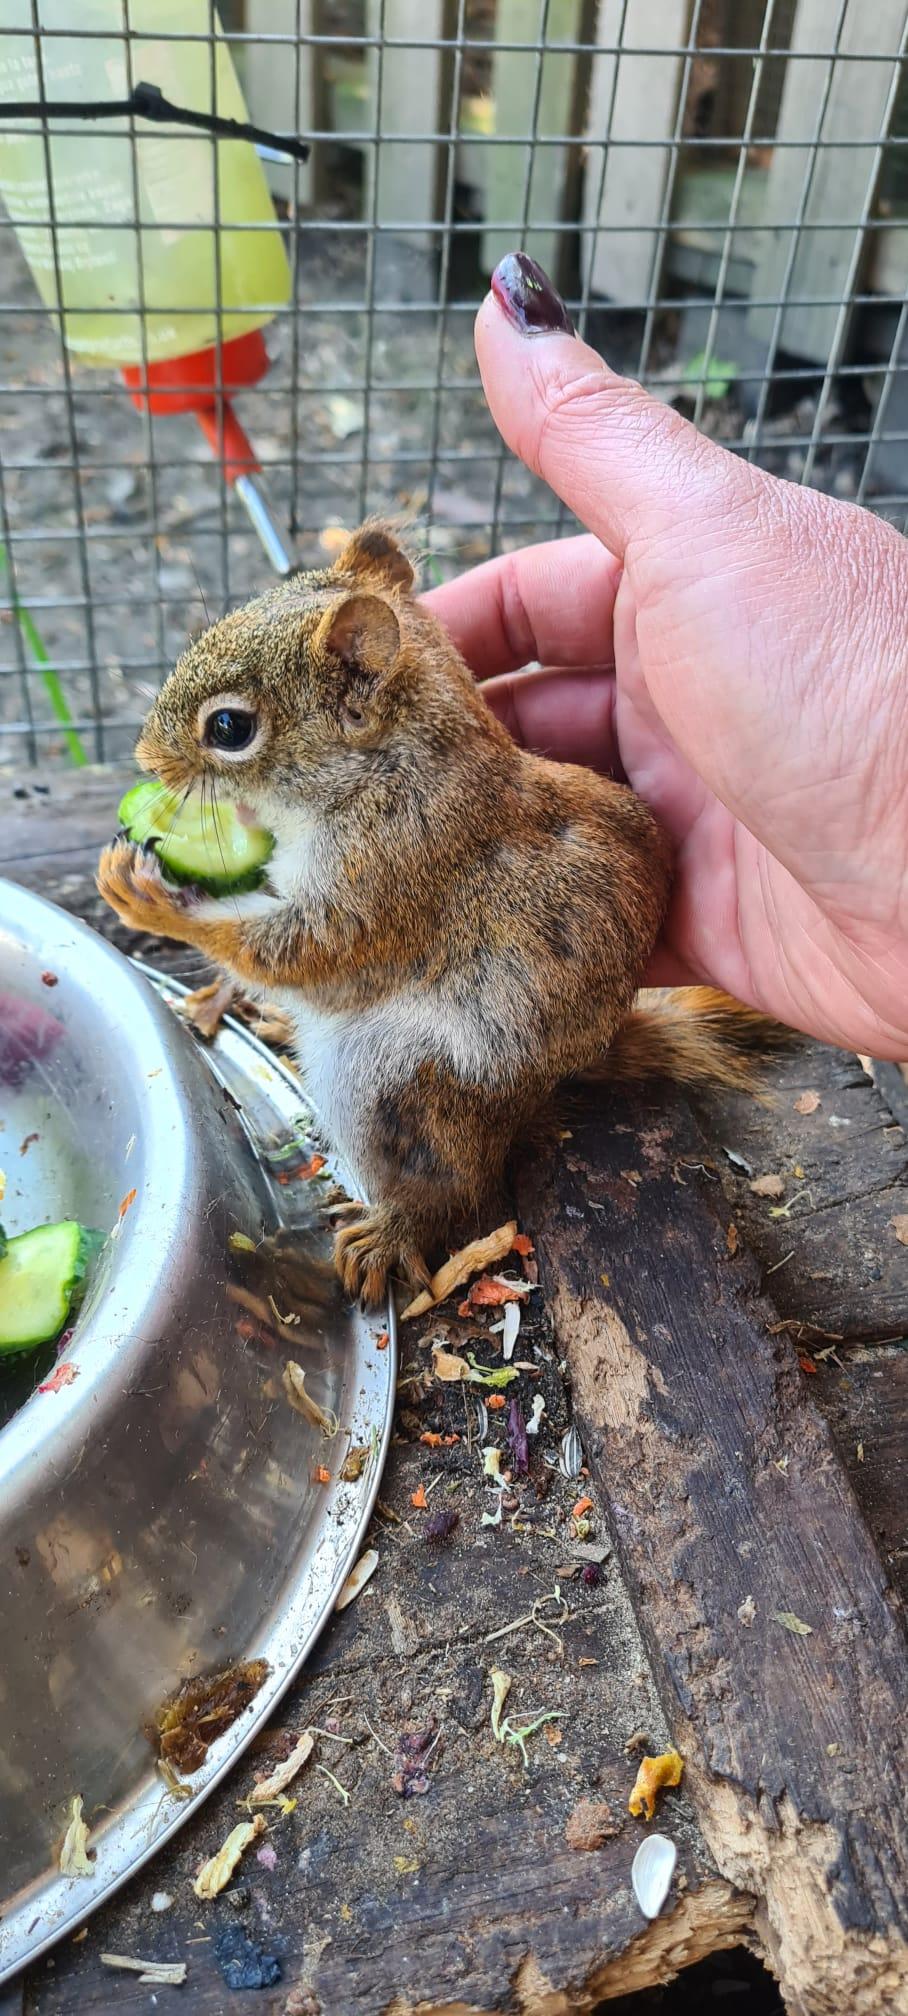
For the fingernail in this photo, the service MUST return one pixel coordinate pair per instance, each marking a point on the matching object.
(528, 298)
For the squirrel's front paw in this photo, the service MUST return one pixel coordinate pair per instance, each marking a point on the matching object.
(374, 1245)
(131, 881)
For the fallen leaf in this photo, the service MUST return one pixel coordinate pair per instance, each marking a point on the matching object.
(900, 1227)
(732, 1241)
(62, 1375)
(792, 1623)
(215, 1874)
(807, 1103)
(654, 1773)
(272, 1787)
(469, 1260)
(73, 1854)
(768, 1186)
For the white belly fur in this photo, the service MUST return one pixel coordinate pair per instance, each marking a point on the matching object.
(353, 1063)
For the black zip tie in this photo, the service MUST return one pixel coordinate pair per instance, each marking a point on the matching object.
(148, 102)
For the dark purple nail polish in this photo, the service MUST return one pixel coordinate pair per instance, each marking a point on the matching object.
(528, 298)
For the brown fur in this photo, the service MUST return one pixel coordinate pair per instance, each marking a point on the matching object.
(437, 866)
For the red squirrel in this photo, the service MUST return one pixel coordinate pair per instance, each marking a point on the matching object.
(452, 924)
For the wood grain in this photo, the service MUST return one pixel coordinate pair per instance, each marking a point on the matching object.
(724, 1487)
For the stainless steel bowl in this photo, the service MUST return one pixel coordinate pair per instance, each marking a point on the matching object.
(159, 1516)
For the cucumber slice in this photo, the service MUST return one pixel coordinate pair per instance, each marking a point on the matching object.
(42, 1280)
(201, 844)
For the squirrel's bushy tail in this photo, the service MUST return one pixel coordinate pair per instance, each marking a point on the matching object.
(693, 1035)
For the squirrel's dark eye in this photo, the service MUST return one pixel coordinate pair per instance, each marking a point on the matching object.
(230, 728)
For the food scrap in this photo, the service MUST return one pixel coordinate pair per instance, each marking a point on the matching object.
(409, 1778)
(581, 1508)
(792, 1623)
(357, 1578)
(126, 1203)
(294, 1384)
(652, 1870)
(900, 1227)
(470, 1260)
(590, 1824)
(653, 1775)
(354, 1462)
(496, 1402)
(244, 1962)
(767, 1186)
(155, 1973)
(439, 1529)
(382, 1341)
(746, 1612)
(313, 1167)
(418, 1499)
(74, 1860)
(321, 1474)
(283, 1774)
(492, 1291)
(517, 1437)
(203, 1708)
(215, 1874)
(503, 1729)
(807, 1103)
(62, 1375)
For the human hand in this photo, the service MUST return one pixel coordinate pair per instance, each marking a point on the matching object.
(732, 645)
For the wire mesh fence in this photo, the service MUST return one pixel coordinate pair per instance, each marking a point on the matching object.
(720, 188)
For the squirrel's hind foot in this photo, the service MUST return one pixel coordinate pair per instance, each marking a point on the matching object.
(378, 1243)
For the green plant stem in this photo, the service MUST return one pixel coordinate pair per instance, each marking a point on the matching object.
(52, 686)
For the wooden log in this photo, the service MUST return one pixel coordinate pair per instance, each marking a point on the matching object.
(777, 1644)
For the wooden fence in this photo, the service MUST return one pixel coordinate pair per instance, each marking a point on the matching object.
(742, 147)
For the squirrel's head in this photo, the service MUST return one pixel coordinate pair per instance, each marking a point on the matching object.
(292, 698)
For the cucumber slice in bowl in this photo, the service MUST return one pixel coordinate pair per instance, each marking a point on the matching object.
(42, 1281)
(203, 844)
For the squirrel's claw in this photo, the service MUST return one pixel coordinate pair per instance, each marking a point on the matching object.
(130, 879)
(376, 1244)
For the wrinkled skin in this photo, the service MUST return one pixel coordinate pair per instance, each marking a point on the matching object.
(737, 649)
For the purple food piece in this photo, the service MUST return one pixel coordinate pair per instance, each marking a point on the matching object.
(517, 1436)
(27, 1036)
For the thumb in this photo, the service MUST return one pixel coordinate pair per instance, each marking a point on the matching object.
(619, 458)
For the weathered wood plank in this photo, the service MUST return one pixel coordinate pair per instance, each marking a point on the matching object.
(839, 179)
(724, 1489)
(561, 82)
(626, 250)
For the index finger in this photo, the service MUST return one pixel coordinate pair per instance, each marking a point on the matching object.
(551, 604)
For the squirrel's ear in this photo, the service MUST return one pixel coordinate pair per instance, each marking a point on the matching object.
(373, 552)
(362, 631)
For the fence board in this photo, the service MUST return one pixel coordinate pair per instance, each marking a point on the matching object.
(414, 95)
(562, 84)
(269, 72)
(857, 101)
(626, 263)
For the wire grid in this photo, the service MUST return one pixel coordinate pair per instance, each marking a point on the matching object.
(121, 535)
